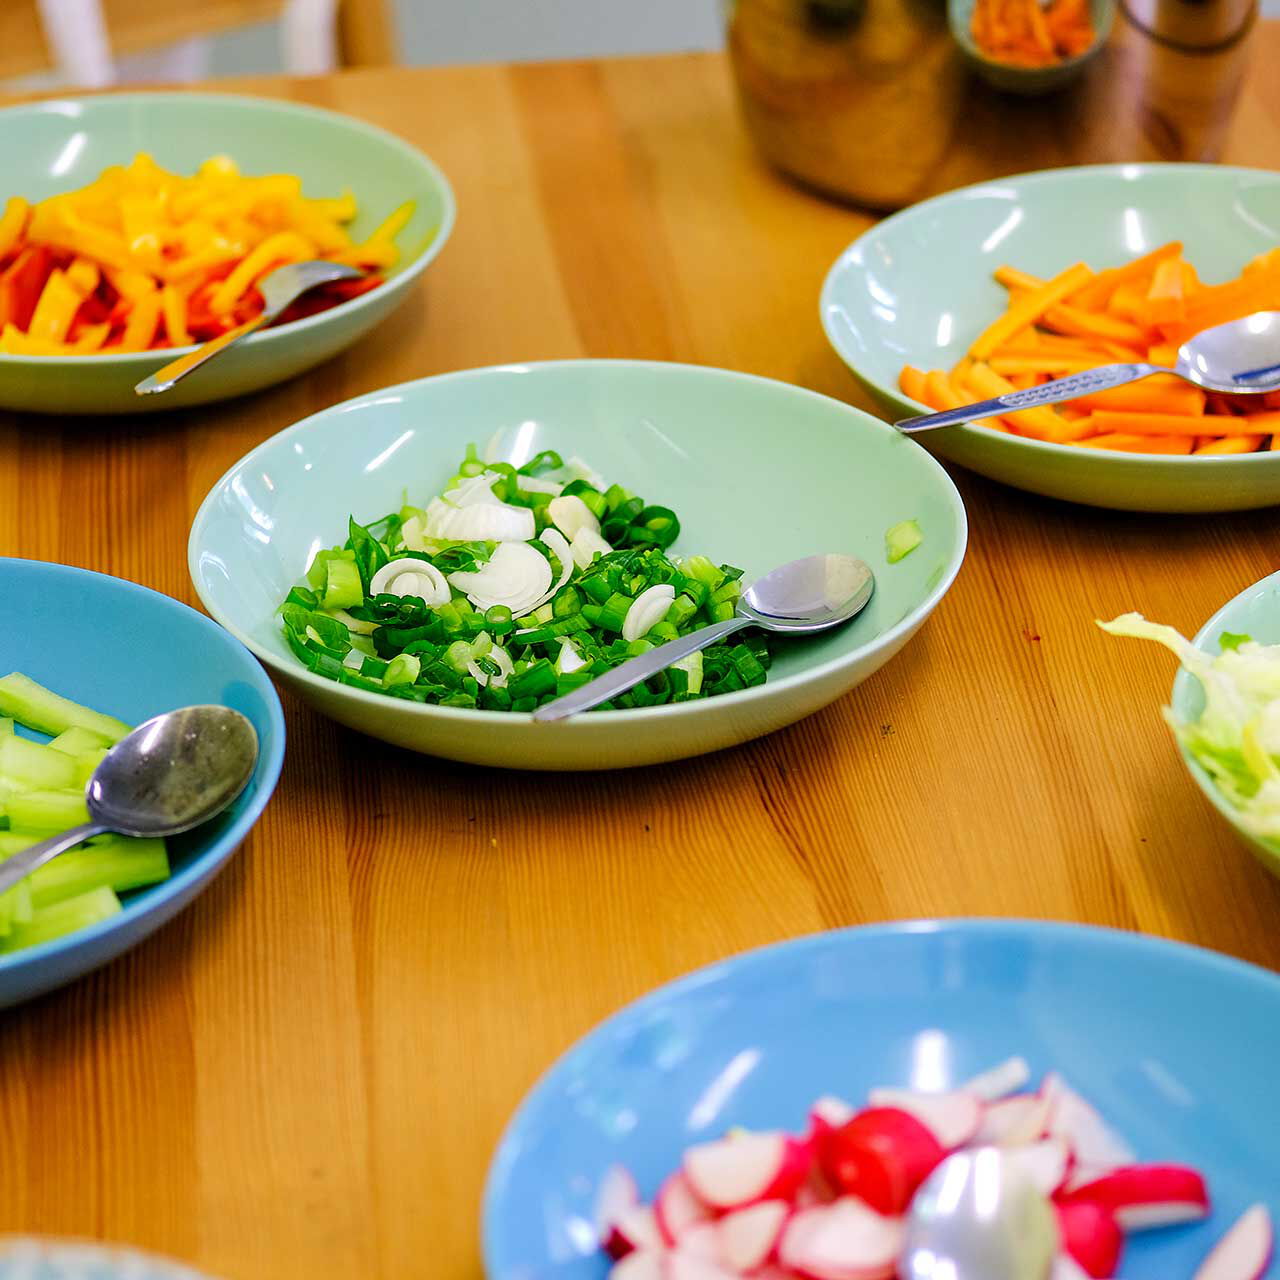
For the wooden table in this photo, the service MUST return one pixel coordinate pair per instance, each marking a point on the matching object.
(305, 1074)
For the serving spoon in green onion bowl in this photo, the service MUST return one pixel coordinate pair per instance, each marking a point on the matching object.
(800, 598)
(171, 774)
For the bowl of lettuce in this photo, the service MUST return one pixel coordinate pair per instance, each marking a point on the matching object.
(1225, 709)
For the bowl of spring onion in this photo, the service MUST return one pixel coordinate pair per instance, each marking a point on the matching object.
(431, 563)
(62, 706)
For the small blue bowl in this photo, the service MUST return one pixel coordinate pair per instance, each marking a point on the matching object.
(133, 653)
(1176, 1047)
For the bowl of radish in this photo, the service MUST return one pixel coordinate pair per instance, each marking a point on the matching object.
(772, 1117)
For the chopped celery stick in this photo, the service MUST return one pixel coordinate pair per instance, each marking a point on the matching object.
(15, 906)
(62, 918)
(46, 811)
(6, 726)
(901, 540)
(87, 763)
(24, 763)
(78, 741)
(39, 708)
(13, 842)
(116, 863)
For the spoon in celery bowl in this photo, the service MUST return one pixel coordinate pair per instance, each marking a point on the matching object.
(279, 288)
(800, 598)
(172, 773)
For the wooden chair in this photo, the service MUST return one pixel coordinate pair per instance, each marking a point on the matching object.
(82, 39)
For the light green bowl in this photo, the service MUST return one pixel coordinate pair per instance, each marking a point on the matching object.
(918, 288)
(759, 472)
(1254, 612)
(50, 147)
(1028, 81)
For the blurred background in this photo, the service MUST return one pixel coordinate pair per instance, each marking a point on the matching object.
(50, 44)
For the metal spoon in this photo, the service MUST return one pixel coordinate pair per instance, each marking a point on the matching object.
(278, 288)
(1241, 357)
(797, 599)
(170, 774)
(977, 1217)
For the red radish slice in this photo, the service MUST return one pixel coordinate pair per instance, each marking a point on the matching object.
(677, 1209)
(1000, 1081)
(1045, 1163)
(846, 1240)
(830, 1113)
(1091, 1138)
(703, 1240)
(740, 1170)
(617, 1194)
(1243, 1253)
(1082, 1174)
(1144, 1196)
(1066, 1267)
(952, 1118)
(643, 1264)
(636, 1228)
(881, 1156)
(1091, 1235)
(749, 1236)
(1013, 1122)
(682, 1265)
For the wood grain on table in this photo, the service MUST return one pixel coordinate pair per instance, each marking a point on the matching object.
(305, 1074)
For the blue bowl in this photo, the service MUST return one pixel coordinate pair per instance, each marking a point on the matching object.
(132, 653)
(1176, 1046)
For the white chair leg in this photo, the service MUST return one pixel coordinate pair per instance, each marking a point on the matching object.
(77, 36)
(308, 36)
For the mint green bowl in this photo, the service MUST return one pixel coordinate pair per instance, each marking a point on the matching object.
(50, 147)
(917, 288)
(1254, 612)
(759, 472)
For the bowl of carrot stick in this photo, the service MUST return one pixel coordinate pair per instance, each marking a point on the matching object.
(1009, 284)
(1029, 47)
(134, 227)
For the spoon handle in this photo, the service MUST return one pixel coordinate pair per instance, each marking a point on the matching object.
(178, 369)
(634, 670)
(1078, 384)
(20, 865)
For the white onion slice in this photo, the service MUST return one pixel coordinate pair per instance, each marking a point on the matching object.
(584, 546)
(569, 660)
(647, 610)
(413, 534)
(505, 665)
(540, 484)
(409, 576)
(557, 544)
(517, 575)
(571, 514)
(479, 522)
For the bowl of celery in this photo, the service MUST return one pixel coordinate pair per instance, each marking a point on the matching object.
(431, 563)
(92, 657)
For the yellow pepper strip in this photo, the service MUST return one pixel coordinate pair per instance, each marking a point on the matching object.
(91, 338)
(342, 209)
(129, 284)
(369, 255)
(83, 276)
(173, 306)
(288, 246)
(140, 328)
(394, 224)
(13, 223)
(182, 270)
(57, 307)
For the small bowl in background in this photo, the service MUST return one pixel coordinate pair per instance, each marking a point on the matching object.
(1029, 81)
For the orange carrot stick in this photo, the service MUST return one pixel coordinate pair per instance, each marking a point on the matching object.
(1096, 292)
(1160, 394)
(1027, 310)
(1231, 444)
(1139, 444)
(1074, 320)
(911, 383)
(1009, 365)
(1040, 422)
(1127, 422)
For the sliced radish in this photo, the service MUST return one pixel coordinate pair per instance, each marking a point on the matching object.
(847, 1240)
(952, 1118)
(749, 1236)
(1092, 1236)
(830, 1113)
(745, 1168)
(1082, 1174)
(1045, 1163)
(999, 1081)
(1013, 1122)
(617, 1194)
(1243, 1253)
(677, 1208)
(685, 1265)
(1066, 1267)
(882, 1156)
(643, 1264)
(635, 1228)
(1144, 1196)
(1091, 1138)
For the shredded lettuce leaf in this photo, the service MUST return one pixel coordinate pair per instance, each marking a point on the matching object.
(1236, 738)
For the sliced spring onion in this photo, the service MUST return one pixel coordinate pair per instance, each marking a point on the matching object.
(517, 576)
(410, 576)
(570, 514)
(901, 540)
(647, 610)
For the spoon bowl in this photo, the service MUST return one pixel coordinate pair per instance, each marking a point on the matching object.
(978, 1218)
